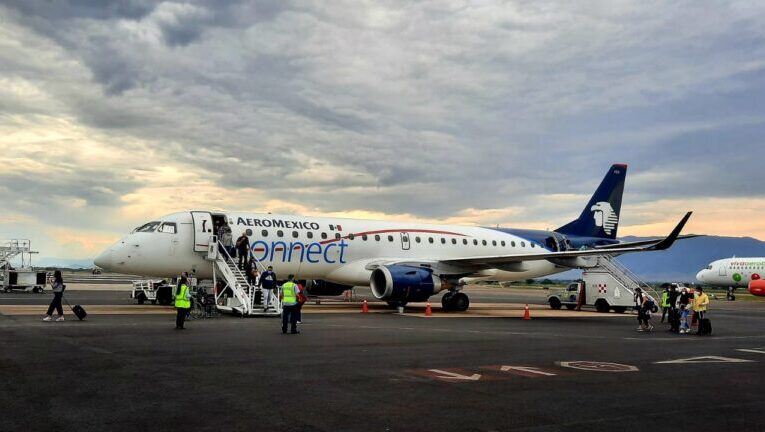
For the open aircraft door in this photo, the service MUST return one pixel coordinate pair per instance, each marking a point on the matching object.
(203, 230)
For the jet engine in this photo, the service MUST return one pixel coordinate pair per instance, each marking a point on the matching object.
(757, 287)
(402, 283)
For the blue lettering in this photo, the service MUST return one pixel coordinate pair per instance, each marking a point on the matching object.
(326, 249)
(312, 249)
(343, 245)
(264, 245)
(274, 245)
(293, 246)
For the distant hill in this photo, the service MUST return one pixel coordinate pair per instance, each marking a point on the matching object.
(63, 263)
(685, 258)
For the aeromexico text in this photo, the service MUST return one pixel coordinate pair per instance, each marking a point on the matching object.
(330, 252)
(277, 223)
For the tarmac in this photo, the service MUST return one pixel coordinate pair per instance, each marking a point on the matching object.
(126, 368)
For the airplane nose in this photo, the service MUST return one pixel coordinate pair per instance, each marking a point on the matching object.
(700, 276)
(104, 259)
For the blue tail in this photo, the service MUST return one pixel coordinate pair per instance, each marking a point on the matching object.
(600, 218)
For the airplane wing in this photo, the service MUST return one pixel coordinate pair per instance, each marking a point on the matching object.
(492, 260)
(644, 242)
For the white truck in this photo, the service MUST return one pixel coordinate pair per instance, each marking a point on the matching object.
(601, 289)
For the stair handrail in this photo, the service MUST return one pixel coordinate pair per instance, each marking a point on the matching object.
(618, 269)
(238, 291)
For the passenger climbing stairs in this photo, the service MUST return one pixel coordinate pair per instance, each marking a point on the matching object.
(238, 296)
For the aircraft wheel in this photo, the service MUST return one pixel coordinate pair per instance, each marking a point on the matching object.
(555, 303)
(446, 301)
(461, 302)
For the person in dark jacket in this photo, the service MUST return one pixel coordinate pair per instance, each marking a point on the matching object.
(58, 293)
(243, 249)
(267, 282)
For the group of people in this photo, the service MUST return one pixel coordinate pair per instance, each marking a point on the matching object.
(679, 306)
(235, 249)
(292, 296)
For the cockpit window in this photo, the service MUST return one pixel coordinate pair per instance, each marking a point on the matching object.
(168, 227)
(149, 227)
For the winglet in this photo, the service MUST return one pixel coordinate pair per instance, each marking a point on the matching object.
(670, 239)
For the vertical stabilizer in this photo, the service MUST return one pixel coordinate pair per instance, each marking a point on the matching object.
(600, 218)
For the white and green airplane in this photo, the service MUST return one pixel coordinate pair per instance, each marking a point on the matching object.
(735, 272)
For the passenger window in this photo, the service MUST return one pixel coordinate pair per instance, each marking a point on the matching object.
(512, 243)
(533, 245)
(430, 239)
(390, 238)
(337, 236)
(483, 242)
(493, 242)
(168, 228)
(264, 233)
(310, 234)
(523, 244)
(417, 239)
(294, 234)
(364, 237)
(280, 233)
(464, 241)
(351, 236)
(502, 243)
(475, 242)
(324, 235)
(377, 237)
(443, 240)
(454, 241)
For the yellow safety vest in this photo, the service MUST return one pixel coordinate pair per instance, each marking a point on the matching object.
(665, 299)
(289, 296)
(181, 299)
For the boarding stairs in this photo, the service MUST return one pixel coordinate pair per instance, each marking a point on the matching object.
(10, 249)
(625, 276)
(239, 296)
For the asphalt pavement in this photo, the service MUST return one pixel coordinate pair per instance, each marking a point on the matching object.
(380, 372)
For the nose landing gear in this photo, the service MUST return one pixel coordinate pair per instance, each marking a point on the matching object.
(455, 301)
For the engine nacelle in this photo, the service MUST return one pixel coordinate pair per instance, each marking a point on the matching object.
(757, 287)
(404, 283)
(324, 288)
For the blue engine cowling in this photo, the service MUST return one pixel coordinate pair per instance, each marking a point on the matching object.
(403, 283)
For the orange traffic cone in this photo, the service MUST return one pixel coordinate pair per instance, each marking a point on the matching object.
(428, 312)
(364, 307)
(526, 313)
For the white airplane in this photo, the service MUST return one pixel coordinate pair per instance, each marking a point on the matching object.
(401, 262)
(735, 272)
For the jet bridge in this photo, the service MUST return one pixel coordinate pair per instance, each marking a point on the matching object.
(237, 295)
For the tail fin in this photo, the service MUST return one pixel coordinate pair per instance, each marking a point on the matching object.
(600, 218)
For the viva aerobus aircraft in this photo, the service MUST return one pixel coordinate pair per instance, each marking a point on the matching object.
(735, 272)
(401, 262)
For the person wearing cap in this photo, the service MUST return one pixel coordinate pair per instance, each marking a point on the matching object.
(289, 297)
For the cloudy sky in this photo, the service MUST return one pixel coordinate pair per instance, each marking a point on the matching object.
(481, 112)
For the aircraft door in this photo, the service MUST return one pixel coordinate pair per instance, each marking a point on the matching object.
(722, 269)
(203, 230)
(405, 241)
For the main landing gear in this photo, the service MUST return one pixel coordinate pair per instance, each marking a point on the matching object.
(455, 301)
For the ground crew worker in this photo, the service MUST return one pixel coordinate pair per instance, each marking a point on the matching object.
(289, 297)
(182, 302)
(664, 303)
(267, 282)
(700, 303)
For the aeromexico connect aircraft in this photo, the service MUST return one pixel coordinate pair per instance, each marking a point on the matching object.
(735, 272)
(402, 262)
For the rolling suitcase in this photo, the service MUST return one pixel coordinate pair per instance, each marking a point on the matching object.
(705, 327)
(77, 310)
